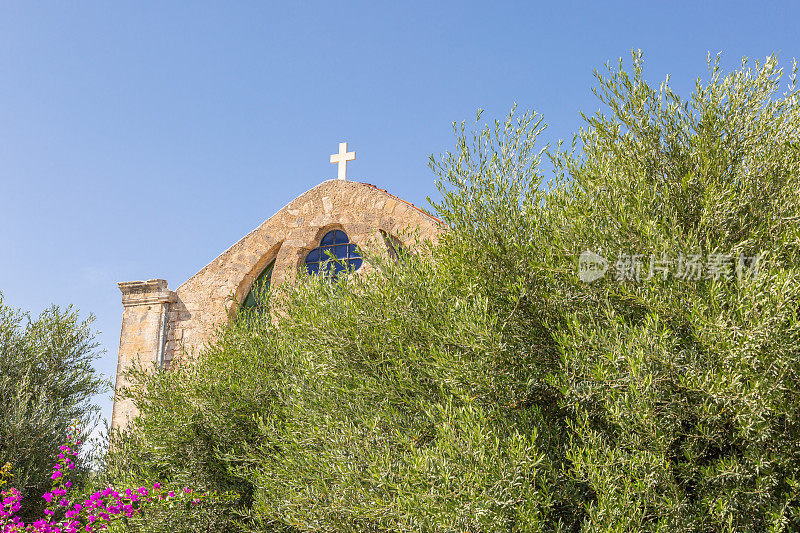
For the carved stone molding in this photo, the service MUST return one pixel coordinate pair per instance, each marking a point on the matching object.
(152, 291)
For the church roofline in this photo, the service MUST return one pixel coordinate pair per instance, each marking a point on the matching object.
(285, 207)
(438, 220)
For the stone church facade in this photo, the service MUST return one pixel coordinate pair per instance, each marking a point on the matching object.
(159, 325)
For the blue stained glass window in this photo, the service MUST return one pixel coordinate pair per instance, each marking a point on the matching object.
(330, 237)
(334, 254)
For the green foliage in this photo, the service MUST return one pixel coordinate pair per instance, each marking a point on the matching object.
(46, 385)
(479, 386)
(684, 392)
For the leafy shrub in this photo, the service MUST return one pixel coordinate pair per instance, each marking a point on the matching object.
(46, 385)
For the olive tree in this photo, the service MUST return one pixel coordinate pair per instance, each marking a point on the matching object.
(46, 386)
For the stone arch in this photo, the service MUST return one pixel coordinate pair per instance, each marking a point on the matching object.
(206, 299)
(394, 245)
(247, 281)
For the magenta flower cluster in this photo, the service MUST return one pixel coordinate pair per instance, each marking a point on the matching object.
(93, 514)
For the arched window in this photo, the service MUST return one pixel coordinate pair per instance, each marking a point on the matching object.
(256, 298)
(334, 254)
(394, 247)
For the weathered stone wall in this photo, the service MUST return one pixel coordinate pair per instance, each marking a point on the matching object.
(207, 299)
(143, 335)
(361, 210)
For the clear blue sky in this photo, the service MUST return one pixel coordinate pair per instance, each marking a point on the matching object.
(139, 140)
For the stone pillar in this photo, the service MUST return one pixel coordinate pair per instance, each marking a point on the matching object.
(143, 336)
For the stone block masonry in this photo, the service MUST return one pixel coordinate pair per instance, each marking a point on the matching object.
(145, 318)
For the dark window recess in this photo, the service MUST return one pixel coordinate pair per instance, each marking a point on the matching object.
(257, 297)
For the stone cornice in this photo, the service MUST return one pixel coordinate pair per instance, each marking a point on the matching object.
(153, 291)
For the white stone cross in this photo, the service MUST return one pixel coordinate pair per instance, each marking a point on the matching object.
(342, 158)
